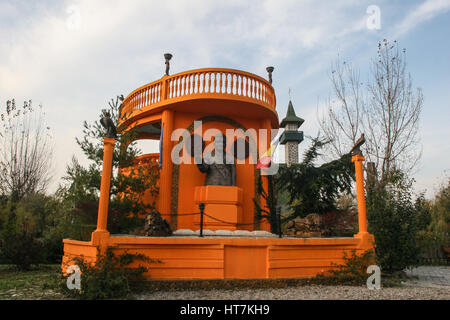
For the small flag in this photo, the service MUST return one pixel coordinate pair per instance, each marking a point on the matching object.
(161, 147)
(266, 158)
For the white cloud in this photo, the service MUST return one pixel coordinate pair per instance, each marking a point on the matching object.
(422, 13)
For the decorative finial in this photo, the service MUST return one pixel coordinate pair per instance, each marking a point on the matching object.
(167, 56)
(270, 70)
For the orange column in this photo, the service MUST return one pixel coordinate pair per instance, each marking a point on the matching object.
(361, 201)
(105, 184)
(265, 224)
(165, 179)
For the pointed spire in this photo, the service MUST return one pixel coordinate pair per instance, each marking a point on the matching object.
(291, 117)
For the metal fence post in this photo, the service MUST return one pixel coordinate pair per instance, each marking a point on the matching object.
(278, 212)
(201, 206)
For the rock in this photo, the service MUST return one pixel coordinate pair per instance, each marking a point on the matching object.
(184, 232)
(156, 225)
(313, 219)
(303, 234)
(261, 233)
(224, 233)
(310, 226)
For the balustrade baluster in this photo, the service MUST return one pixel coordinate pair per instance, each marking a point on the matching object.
(226, 83)
(168, 89)
(251, 88)
(180, 86)
(174, 88)
(242, 85)
(257, 89)
(204, 82)
(197, 83)
(138, 104)
(232, 83)
(189, 84)
(151, 95)
(139, 99)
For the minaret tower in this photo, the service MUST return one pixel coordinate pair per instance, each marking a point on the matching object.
(291, 137)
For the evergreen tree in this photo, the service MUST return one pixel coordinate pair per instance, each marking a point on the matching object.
(127, 206)
(309, 188)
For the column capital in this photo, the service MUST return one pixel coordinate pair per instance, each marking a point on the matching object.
(110, 141)
(358, 157)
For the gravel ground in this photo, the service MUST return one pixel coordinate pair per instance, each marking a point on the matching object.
(305, 293)
(425, 283)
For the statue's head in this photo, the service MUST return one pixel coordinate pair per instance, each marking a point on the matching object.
(220, 139)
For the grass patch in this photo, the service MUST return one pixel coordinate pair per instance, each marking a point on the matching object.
(38, 283)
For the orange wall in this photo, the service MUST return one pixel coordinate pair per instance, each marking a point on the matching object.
(227, 258)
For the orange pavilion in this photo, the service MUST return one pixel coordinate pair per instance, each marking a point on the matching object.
(178, 109)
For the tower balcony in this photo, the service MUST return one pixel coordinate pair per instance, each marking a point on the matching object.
(202, 90)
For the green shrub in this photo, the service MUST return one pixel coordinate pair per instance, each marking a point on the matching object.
(19, 244)
(110, 277)
(352, 272)
(395, 222)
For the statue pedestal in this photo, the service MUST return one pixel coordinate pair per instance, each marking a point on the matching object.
(222, 203)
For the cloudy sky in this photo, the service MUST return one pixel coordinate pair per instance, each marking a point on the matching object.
(73, 56)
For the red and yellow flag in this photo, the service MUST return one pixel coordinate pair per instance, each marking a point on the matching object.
(266, 158)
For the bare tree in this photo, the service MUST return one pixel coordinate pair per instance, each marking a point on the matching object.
(25, 151)
(343, 121)
(387, 111)
(392, 113)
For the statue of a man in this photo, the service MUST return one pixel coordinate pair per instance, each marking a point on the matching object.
(219, 171)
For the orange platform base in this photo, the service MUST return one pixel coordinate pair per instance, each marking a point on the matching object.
(222, 203)
(227, 258)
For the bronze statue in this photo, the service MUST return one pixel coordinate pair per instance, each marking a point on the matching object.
(219, 172)
(108, 124)
(356, 148)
